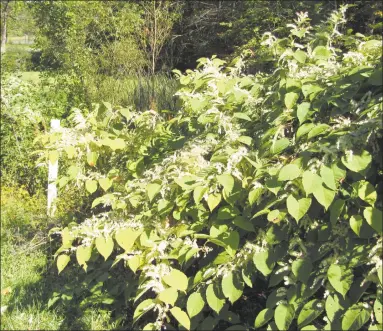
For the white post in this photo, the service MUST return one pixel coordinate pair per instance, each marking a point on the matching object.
(52, 176)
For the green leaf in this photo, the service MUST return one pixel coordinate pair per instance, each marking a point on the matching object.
(176, 279)
(105, 183)
(283, 316)
(304, 129)
(62, 262)
(291, 99)
(376, 77)
(321, 53)
(134, 262)
(92, 158)
(261, 261)
(334, 306)
(143, 308)
(198, 193)
(328, 177)
(279, 146)
(53, 156)
(181, 317)
(263, 317)
(83, 254)
(336, 209)
(356, 222)
(71, 151)
(357, 162)
(232, 287)
(214, 299)
(114, 144)
(289, 172)
(152, 190)
(195, 304)
(373, 217)
(297, 208)
(302, 111)
(355, 317)
(310, 181)
(310, 90)
(242, 116)
(318, 130)
(227, 212)
(378, 311)
(254, 194)
(366, 192)
(105, 246)
(300, 56)
(302, 268)
(245, 140)
(310, 311)
(273, 185)
(126, 238)
(324, 196)
(91, 186)
(213, 200)
(339, 279)
(232, 242)
(168, 296)
(244, 224)
(227, 181)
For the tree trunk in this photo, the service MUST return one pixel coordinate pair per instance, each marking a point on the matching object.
(4, 31)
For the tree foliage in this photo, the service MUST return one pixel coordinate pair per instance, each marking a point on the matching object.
(268, 182)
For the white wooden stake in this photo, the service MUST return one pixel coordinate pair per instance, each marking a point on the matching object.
(52, 176)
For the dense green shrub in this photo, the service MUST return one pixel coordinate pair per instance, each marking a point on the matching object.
(262, 190)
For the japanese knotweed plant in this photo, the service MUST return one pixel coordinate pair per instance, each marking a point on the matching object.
(263, 189)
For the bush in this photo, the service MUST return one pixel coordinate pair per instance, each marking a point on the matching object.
(262, 190)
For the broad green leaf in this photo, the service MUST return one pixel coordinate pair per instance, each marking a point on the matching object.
(195, 304)
(150, 327)
(263, 317)
(181, 317)
(126, 237)
(310, 181)
(214, 299)
(373, 217)
(92, 158)
(283, 316)
(245, 140)
(378, 311)
(213, 200)
(357, 162)
(366, 192)
(356, 222)
(232, 287)
(297, 208)
(198, 193)
(232, 242)
(376, 77)
(279, 146)
(261, 261)
(355, 317)
(104, 246)
(336, 209)
(176, 279)
(324, 195)
(321, 53)
(53, 156)
(91, 186)
(168, 296)
(242, 116)
(227, 181)
(291, 99)
(289, 172)
(71, 151)
(117, 144)
(142, 308)
(273, 185)
(304, 129)
(318, 130)
(334, 306)
(310, 311)
(134, 262)
(300, 56)
(152, 190)
(302, 111)
(339, 279)
(105, 183)
(254, 195)
(83, 254)
(244, 224)
(302, 268)
(328, 177)
(227, 212)
(311, 90)
(62, 262)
